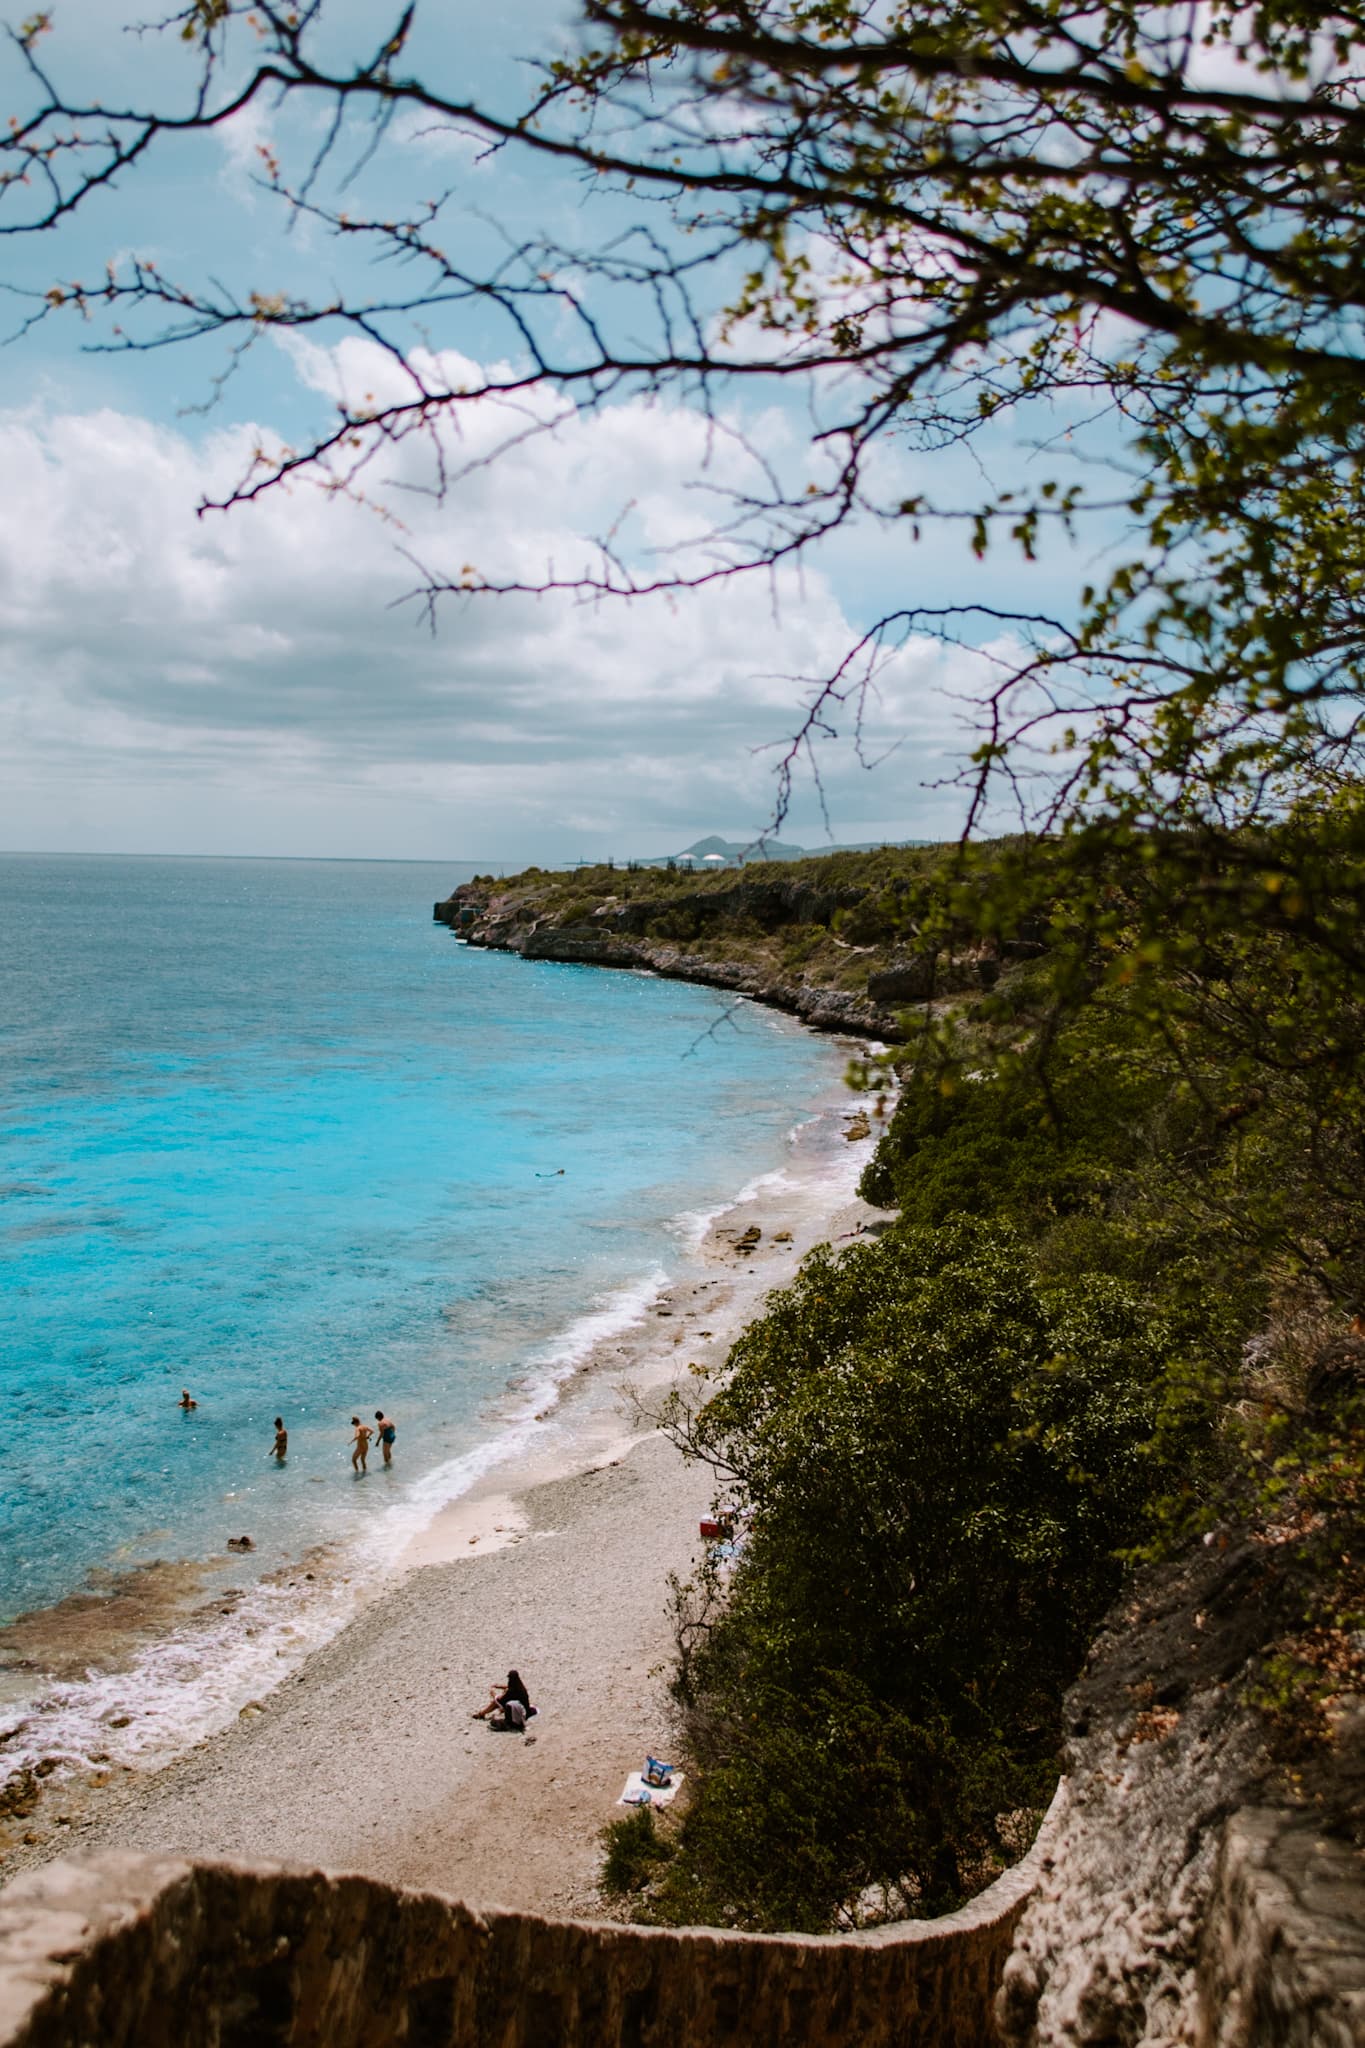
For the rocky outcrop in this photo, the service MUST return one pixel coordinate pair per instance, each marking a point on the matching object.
(1283, 1953)
(132, 1952)
(616, 938)
(1180, 1899)
(920, 977)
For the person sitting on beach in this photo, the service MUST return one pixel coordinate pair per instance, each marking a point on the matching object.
(512, 1702)
(186, 1400)
(361, 1440)
(281, 1444)
(387, 1433)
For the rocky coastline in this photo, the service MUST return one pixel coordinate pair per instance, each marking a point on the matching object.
(736, 937)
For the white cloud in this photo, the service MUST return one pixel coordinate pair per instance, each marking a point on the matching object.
(250, 680)
(245, 140)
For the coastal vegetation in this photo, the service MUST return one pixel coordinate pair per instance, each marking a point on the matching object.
(1117, 1310)
(939, 1456)
(826, 922)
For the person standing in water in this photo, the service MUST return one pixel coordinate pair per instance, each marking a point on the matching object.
(281, 1444)
(186, 1400)
(361, 1441)
(387, 1433)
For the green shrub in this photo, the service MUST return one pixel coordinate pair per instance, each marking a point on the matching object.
(635, 1853)
(942, 1457)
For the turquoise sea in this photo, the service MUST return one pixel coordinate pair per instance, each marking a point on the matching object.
(268, 1132)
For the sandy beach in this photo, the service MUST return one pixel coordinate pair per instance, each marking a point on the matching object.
(367, 1757)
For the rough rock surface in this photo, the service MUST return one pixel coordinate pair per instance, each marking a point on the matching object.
(1169, 1901)
(1180, 1901)
(617, 936)
(1283, 1954)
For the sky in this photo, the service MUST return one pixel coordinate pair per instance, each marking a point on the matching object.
(260, 682)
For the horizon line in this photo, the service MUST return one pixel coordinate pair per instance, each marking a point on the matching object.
(399, 860)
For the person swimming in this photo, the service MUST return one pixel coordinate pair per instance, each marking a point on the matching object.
(186, 1399)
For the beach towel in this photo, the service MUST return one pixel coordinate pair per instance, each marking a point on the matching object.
(637, 1793)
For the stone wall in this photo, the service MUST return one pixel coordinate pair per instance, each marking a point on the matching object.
(140, 1952)
(1283, 1953)
(134, 1952)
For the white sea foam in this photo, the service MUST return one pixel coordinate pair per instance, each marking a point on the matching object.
(693, 1225)
(190, 1684)
(830, 1183)
(545, 1372)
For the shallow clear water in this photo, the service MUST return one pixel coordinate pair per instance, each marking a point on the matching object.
(268, 1132)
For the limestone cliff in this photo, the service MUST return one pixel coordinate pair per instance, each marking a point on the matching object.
(1197, 1887)
(822, 939)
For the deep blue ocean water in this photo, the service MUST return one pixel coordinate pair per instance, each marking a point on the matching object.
(268, 1132)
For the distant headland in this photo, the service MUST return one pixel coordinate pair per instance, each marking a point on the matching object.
(823, 936)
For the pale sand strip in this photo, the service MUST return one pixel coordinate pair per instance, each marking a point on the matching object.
(368, 1759)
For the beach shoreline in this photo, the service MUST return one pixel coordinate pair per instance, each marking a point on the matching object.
(365, 1757)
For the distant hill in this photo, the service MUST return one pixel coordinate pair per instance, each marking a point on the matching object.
(736, 851)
